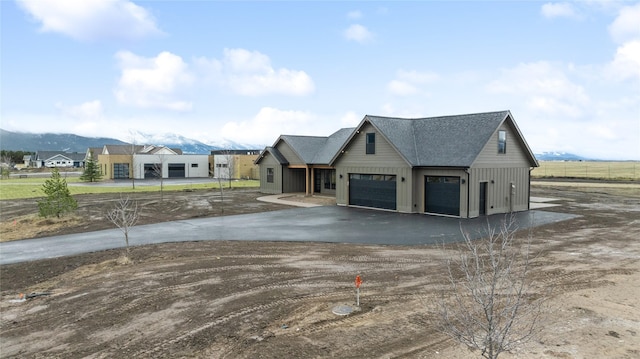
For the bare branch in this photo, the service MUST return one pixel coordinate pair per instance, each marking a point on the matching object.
(124, 215)
(491, 307)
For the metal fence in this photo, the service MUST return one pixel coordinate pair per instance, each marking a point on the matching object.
(624, 170)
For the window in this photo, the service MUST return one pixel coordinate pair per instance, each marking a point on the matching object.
(221, 165)
(330, 179)
(120, 170)
(502, 141)
(194, 165)
(371, 143)
(270, 175)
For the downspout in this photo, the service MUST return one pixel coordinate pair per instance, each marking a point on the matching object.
(466, 170)
(529, 190)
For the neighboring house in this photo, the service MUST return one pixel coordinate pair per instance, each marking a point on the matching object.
(462, 166)
(27, 160)
(236, 164)
(139, 162)
(57, 159)
(301, 164)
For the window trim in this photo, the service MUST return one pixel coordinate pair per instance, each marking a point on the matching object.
(502, 142)
(270, 174)
(370, 143)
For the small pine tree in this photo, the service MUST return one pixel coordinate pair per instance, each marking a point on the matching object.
(91, 170)
(58, 200)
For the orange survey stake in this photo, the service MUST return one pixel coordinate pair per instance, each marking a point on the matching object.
(358, 281)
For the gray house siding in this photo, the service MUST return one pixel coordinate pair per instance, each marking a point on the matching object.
(274, 187)
(501, 197)
(515, 155)
(293, 180)
(289, 154)
(385, 161)
(419, 179)
(355, 153)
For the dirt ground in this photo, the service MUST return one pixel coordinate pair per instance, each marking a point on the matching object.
(227, 299)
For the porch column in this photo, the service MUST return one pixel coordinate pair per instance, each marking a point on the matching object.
(313, 180)
(306, 180)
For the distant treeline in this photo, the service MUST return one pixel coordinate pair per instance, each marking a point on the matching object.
(14, 156)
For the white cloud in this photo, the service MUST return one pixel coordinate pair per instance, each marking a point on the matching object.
(401, 88)
(350, 119)
(91, 20)
(358, 33)
(563, 9)
(267, 125)
(408, 83)
(86, 110)
(626, 63)
(250, 73)
(544, 87)
(355, 14)
(152, 82)
(626, 26)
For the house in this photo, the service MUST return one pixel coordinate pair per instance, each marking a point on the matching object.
(301, 164)
(140, 162)
(461, 166)
(57, 159)
(235, 164)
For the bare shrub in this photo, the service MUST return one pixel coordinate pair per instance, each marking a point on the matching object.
(491, 307)
(124, 215)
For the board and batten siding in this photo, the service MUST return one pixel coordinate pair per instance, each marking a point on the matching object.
(293, 180)
(268, 161)
(289, 154)
(500, 197)
(515, 155)
(419, 179)
(385, 161)
(403, 188)
(355, 153)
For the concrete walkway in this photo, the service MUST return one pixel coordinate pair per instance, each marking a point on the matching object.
(281, 198)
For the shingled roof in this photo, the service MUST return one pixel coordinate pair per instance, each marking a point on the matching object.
(446, 141)
(312, 150)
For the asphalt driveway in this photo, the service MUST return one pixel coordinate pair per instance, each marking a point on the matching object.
(318, 224)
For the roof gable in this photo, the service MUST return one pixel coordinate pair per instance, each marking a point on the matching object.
(315, 150)
(446, 141)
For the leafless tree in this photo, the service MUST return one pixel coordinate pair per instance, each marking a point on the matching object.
(492, 307)
(124, 215)
(157, 171)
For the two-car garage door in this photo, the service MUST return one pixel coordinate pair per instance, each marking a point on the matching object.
(377, 191)
(442, 193)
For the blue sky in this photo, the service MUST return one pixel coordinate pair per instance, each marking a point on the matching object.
(250, 71)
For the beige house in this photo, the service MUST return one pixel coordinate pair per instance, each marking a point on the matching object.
(461, 166)
(140, 162)
(235, 164)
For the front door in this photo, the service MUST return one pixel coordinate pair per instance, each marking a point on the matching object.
(482, 203)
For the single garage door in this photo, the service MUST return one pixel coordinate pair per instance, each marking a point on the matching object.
(442, 195)
(377, 191)
(176, 170)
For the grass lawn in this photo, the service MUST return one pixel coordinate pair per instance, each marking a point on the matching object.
(32, 187)
(629, 170)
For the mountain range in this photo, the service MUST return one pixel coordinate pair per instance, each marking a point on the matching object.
(20, 141)
(31, 142)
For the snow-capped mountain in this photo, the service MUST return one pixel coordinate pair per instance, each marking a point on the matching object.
(559, 156)
(188, 145)
(18, 141)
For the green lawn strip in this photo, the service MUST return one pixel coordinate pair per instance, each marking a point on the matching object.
(17, 189)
